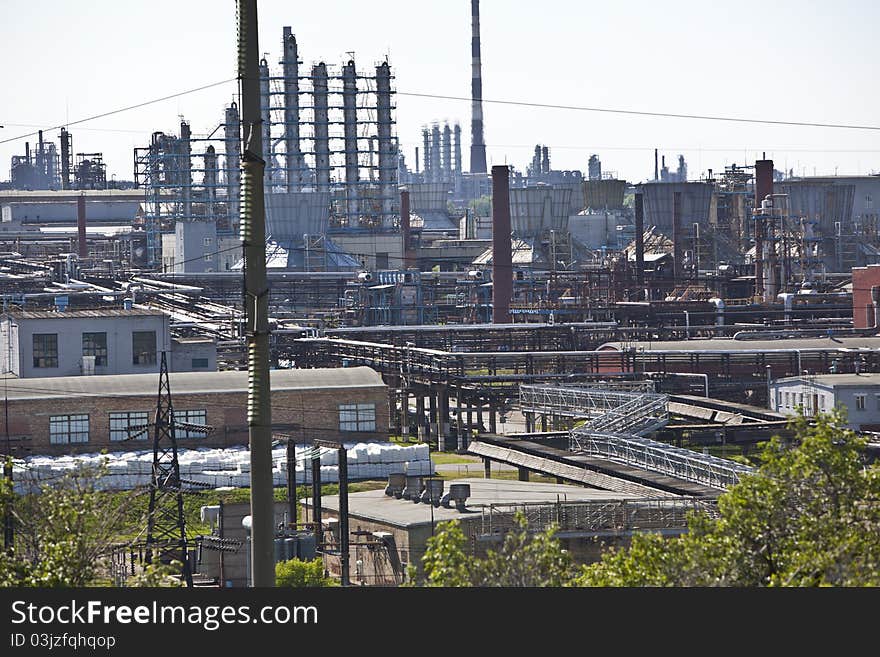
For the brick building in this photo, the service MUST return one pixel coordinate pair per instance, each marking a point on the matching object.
(865, 293)
(66, 415)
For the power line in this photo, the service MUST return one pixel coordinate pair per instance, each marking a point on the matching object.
(702, 117)
(123, 109)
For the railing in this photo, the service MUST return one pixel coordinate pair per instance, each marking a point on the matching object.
(618, 516)
(660, 457)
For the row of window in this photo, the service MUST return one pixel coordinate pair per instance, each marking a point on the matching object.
(126, 425)
(795, 399)
(134, 425)
(143, 348)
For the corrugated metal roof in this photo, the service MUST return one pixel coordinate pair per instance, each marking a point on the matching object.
(132, 385)
(835, 380)
(80, 314)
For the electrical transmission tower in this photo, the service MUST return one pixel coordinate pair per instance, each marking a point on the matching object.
(166, 527)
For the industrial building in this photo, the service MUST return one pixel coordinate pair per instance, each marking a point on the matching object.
(858, 395)
(399, 523)
(64, 415)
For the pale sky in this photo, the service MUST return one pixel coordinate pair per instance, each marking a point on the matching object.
(785, 60)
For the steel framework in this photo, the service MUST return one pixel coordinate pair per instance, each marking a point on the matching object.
(597, 517)
(659, 457)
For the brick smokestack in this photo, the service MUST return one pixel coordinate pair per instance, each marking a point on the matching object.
(478, 146)
(82, 249)
(502, 258)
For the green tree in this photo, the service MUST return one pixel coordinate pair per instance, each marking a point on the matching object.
(524, 559)
(810, 516)
(63, 532)
(298, 573)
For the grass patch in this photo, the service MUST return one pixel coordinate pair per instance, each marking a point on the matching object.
(445, 458)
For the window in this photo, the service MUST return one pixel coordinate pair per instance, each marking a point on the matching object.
(95, 344)
(45, 350)
(190, 417)
(199, 363)
(800, 399)
(778, 398)
(381, 261)
(143, 347)
(64, 429)
(788, 399)
(207, 241)
(860, 402)
(821, 402)
(129, 425)
(357, 417)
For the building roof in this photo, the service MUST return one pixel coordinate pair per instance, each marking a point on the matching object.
(835, 380)
(376, 506)
(83, 314)
(182, 383)
(729, 344)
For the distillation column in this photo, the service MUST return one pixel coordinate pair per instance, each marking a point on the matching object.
(232, 141)
(349, 119)
(322, 133)
(293, 158)
(387, 159)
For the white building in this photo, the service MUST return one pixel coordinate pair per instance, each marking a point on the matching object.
(94, 342)
(857, 394)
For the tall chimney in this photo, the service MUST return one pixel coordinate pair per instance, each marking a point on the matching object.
(763, 188)
(676, 238)
(82, 249)
(545, 159)
(656, 169)
(502, 257)
(478, 146)
(640, 245)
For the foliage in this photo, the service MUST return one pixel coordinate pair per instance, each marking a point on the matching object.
(809, 517)
(62, 533)
(523, 560)
(482, 206)
(298, 573)
(158, 575)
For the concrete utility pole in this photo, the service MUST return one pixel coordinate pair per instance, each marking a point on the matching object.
(256, 300)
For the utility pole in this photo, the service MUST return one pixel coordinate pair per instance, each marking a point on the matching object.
(8, 526)
(256, 299)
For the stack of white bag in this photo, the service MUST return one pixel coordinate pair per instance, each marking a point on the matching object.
(207, 467)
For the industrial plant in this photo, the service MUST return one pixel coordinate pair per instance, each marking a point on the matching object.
(617, 340)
